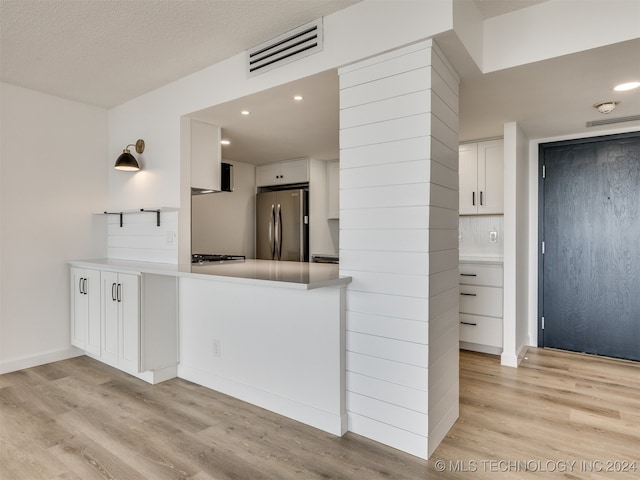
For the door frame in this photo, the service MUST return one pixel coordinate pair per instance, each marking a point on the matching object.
(542, 147)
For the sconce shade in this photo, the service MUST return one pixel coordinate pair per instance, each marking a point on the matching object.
(128, 162)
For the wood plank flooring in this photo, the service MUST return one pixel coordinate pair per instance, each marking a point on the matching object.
(80, 419)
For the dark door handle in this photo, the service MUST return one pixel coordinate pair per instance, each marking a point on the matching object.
(469, 323)
(80, 285)
(481, 199)
(119, 290)
(473, 198)
(113, 292)
(468, 294)
(468, 275)
(84, 285)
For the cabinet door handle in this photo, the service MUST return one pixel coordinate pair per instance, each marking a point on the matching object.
(469, 323)
(84, 285)
(119, 290)
(481, 199)
(113, 292)
(473, 198)
(80, 286)
(469, 294)
(468, 275)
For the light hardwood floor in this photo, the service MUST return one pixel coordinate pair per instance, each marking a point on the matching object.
(79, 419)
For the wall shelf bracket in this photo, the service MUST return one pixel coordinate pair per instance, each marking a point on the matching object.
(156, 211)
(116, 213)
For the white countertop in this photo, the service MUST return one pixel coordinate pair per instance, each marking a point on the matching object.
(496, 260)
(299, 275)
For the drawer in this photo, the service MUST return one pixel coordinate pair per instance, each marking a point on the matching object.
(477, 300)
(482, 330)
(489, 275)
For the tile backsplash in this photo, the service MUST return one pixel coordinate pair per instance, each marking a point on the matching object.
(481, 235)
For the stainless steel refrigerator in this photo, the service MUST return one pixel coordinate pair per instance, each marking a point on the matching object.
(282, 225)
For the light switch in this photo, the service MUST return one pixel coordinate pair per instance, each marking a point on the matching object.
(493, 237)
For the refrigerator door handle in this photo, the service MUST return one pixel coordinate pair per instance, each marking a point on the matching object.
(272, 227)
(279, 233)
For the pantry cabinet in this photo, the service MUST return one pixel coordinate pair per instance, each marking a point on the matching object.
(482, 178)
(85, 309)
(481, 299)
(282, 173)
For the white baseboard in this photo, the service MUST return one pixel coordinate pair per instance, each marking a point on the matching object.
(36, 360)
(336, 424)
(513, 359)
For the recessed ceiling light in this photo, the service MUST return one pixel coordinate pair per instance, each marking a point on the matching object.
(623, 87)
(225, 142)
(245, 112)
(297, 98)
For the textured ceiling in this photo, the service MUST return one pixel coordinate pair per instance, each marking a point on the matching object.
(105, 52)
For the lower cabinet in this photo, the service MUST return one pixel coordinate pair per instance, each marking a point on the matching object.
(85, 309)
(481, 299)
(127, 320)
(121, 320)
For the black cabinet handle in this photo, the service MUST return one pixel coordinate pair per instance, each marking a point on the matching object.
(468, 275)
(119, 290)
(473, 198)
(113, 292)
(469, 323)
(469, 294)
(481, 198)
(84, 285)
(80, 286)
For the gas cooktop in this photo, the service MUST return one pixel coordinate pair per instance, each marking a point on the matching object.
(202, 258)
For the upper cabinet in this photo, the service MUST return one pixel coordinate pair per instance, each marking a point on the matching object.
(205, 154)
(282, 173)
(481, 178)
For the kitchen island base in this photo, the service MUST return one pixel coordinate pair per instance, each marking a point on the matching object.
(278, 348)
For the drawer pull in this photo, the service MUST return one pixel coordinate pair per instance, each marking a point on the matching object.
(468, 294)
(469, 323)
(468, 275)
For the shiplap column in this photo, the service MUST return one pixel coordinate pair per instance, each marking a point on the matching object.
(399, 242)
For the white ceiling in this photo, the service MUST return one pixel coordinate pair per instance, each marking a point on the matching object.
(105, 52)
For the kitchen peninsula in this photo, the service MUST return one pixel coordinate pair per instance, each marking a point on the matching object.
(270, 333)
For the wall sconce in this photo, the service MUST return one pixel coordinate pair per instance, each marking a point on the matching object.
(128, 162)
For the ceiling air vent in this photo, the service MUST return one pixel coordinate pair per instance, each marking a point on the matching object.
(285, 48)
(608, 121)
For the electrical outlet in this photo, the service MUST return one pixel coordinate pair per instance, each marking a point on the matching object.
(216, 347)
(171, 238)
(493, 237)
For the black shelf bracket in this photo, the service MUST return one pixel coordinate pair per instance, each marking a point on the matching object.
(115, 213)
(157, 212)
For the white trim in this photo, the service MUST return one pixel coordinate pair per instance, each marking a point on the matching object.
(323, 420)
(30, 361)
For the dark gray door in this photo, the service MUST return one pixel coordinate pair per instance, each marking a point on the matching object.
(590, 225)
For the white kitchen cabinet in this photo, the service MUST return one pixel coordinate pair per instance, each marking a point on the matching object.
(333, 190)
(282, 173)
(205, 153)
(482, 178)
(85, 309)
(481, 299)
(121, 320)
(132, 320)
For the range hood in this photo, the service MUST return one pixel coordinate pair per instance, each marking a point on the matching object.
(226, 181)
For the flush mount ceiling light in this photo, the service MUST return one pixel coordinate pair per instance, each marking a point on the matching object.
(128, 162)
(623, 87)
(225, 142)
(245, 112)
(606, 107)
(298, 98)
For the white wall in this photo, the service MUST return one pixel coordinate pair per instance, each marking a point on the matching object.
(516, 232)
(224, 222)
(399, 220)
(555, 28)
(54, 177)
(474, 235)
